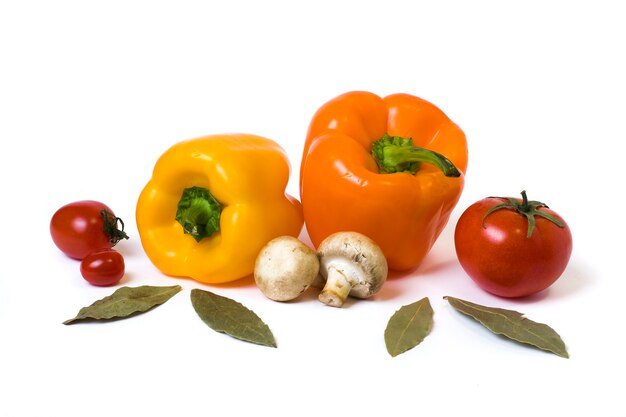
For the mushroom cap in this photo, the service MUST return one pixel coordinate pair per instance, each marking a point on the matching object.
(357, 256)
(285, 267)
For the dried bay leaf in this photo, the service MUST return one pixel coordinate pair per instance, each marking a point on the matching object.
(126, 301)
(408, 327)
(228, 316)
(513, 325)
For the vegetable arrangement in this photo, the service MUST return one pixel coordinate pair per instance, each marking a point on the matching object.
(379, 179)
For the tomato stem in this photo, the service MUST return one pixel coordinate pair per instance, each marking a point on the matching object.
(397, 154)
(530, 209)
(198, 213)
(114, 233)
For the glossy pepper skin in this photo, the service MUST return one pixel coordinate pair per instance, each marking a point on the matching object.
(247, 176)
(343, 188)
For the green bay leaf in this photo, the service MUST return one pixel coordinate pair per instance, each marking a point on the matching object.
(228, 316)
(408, 327)
(126, 301)
(514, 325)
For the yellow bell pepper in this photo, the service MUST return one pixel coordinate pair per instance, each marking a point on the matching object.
(212, 204)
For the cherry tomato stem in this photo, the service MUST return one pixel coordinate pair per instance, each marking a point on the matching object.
(110, 227)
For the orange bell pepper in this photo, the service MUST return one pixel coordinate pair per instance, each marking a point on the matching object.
(391, 168)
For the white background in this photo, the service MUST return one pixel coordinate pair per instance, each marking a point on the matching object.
(91, 93)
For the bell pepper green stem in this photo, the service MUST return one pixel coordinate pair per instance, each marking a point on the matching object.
(114, 233)
(198, 213)
(397, 154)
(527, 208)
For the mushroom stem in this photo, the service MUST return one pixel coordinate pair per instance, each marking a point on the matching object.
(336, 289)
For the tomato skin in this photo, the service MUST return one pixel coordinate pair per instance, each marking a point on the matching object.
(77, 229)
(103, 268)
(500, 257)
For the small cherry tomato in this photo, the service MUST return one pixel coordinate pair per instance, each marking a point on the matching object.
(512, 247)
(103, 268)
(83, 227)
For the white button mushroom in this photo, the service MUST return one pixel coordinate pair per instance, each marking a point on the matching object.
(352, 264)
(285, 268)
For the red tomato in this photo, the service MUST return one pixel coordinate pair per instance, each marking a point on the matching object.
(512, 247)
(103, 268)
(83, 227)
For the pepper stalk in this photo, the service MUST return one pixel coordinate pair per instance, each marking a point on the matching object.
(397, 154)
(199, 213)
